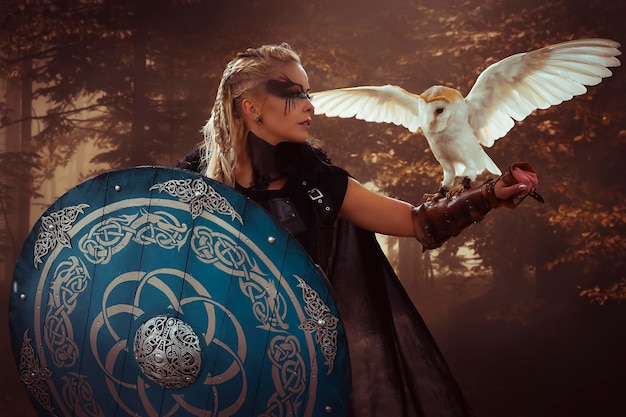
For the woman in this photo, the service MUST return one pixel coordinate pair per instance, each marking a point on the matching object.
(257, 141)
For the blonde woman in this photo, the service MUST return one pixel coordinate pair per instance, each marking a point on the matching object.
(257, 141)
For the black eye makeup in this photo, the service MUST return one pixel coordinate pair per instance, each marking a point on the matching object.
(287, 89)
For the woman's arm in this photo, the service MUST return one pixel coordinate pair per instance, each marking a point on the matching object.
(377, 213)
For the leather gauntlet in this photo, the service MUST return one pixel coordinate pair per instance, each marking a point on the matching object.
(438, 220)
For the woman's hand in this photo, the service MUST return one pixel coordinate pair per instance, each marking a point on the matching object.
(526, 182)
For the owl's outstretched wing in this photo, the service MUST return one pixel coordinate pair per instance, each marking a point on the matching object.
(516, 86)
(388, 104)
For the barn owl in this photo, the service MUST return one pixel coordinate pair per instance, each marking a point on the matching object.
(456, 127)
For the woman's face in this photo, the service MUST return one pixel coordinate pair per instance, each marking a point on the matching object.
(286, 108)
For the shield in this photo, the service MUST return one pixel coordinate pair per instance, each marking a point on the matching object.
(158, 292)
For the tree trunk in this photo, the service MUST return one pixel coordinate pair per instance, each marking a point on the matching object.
(139, 74)
(509, 281)
(410, 265)
(18, 135)
(558, 284)
(26, 132)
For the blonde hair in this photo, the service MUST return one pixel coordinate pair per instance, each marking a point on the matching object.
(225, 131)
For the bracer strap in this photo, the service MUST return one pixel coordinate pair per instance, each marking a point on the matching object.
(438, 220)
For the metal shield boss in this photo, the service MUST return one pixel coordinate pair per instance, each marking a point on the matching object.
(158, 292)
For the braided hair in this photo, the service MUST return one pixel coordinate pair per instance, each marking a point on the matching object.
(225, 131)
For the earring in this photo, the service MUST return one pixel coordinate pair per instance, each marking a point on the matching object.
(258, 120)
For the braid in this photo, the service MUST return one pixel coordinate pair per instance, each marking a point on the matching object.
(218, 152)
(225, 131)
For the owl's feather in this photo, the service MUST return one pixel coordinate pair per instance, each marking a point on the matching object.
(384, 104)
(508, 90)
(516, 86)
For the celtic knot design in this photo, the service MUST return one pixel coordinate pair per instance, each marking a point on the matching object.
(54, 231)
(78, 393)
(111, 236)
(69, 280)
(211, 247)
(33, 376)
(320, 322)
(168, 351)
(148, 304)
(215, 248)
(289, 379)
(200, 197)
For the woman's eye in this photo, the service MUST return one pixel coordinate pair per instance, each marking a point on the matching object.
(301, 95)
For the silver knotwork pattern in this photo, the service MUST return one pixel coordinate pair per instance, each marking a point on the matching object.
(290, 375)
(320, 322)
(70, 279)
(200, 197)
(168, 351)
(78, 392)
(112, 235)
(221, 251)
(54, 231)
(34, 376)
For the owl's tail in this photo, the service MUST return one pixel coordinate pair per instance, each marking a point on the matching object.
(473, 165)
(491, 166)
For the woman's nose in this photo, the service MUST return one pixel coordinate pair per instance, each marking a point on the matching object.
(309, 106)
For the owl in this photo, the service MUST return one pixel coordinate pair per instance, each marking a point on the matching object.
(458, 128)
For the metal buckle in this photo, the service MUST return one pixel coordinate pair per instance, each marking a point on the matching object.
(315, 194)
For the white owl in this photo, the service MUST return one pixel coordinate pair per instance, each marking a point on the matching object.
(456, 127)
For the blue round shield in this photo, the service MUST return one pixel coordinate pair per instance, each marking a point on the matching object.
(158, 292)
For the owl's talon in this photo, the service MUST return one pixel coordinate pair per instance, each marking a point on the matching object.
(465, 184)
(457, 189)
(443, 192)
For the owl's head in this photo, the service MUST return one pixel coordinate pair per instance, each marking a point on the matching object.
(440, 107)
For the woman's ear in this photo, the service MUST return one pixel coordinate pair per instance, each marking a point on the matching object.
(251, 110)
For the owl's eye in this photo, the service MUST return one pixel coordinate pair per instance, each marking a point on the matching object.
(439, 110)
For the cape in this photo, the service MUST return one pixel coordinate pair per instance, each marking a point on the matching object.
(397, 368)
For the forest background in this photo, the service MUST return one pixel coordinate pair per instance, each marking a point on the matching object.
(527, 306)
